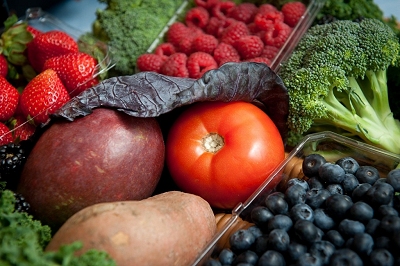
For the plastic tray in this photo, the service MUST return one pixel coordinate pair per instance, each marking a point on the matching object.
(332, 146)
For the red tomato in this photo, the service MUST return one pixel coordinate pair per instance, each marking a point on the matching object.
(223, 151)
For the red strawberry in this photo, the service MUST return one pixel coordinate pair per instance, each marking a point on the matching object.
(3, 66)
(9, 97)
(49, 44)
(5, 135)
(43, 95)
(22, 128)
(76, 71)
(35, 32)
(150, 62)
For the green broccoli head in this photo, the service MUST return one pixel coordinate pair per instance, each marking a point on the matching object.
(336, 78)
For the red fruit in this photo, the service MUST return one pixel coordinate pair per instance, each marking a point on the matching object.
(266, 8)
(197, 17)
(43, 95)
(9, 98)
(278, 35)
(204, 43)
(228, 60)
(175, 66)
(221, 9)
(260, 60)
(166, 49)
(5, 134)
(76, 71)
(35, 32)
(270, 51)
(150, 62)
(214, 27)
(176, 32)
(198, 63)
(292, 12)
(244, 12)
(266, 21)
(226, 53)
(3, 66)
(47, 45)
(186, 44)
(208, 4)
(22, 128)
(249, 46)
(234, 32)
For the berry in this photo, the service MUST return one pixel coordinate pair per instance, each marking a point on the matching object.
(265, 21)
(306, 231)
(361, 211)
(225, 53)
(204, 43)
(390, 224)
(323, 250)
(278, 239)
(35, 32)
(348, 228)
(345, 256)
(222, 8)
(349, 164)
(249, 46)
(244, 12)
(331, 173)
(393, 178)
(9, 98)
(247, 257)
(269, 51)
(292, 12)
(349, 183)
(295, 194)
(22, 128)
(323, 220)
(316, 197)
(21, 205)
(384, 210)
(3, 66)
(367, 174)
(380, 257)
(335, 189)
(308, 259)
(215, 27)
(280, 221)
(335, 238)
(301, 211)
(12, 158)
(380, 194)
(266, 8)
(277, 35)
(5, 134)
(197, 17)
(260, 59)
(198, 63)
(315, 183)
(150, 62)
(337, 205)
(177, 32)
(295, 250)
(241, 240)
(298, 181)
(311, 164)
(234, 32)
(360, 191)
(372, 226)
(226, 256)
(363, 244)
(271, 257)
(208, 4)
(175, 66)
(165, 49)
(260, 215)
(276, 203)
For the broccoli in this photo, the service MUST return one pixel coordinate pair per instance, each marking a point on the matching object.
(336, 80)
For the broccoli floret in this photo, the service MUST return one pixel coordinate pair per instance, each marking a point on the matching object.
(350, 9)
(336, 80)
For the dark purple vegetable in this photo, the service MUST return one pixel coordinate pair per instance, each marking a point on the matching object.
(148, 94)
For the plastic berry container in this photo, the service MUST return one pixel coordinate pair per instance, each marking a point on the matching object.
(328, 144)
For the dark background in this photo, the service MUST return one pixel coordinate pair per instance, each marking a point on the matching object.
(19, 7)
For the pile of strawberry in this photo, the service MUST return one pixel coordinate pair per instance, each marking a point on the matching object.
(215, 32)
(39, 72)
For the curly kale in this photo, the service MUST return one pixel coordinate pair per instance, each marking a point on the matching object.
(336, 79)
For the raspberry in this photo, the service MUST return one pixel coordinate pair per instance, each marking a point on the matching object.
(227, 60)
(244, 12)
(166, 49)
(204, 43)
(249, 46)
(270, 51)
(226, 52)
(150, 62)
(176, 32)
(292, 12)
(278, 35)
(186, 44)
(233, 32)
(208, 4)
(266, 21)
(175, 66)
(221, 9)
(215, 26)
(198, 63)
(260, 59)
(266, 8)
(197, 17)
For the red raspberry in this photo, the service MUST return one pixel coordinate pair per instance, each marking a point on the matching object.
(166, 48)
(175, 66)
(215, 26)
(208, 4)
(278, 35)
(292, 12)
(198, 63)
(221, 9)
(204, 43)
(244, 12)
(249, 46)
(225, 52)
(266, 8)
(150, 62)
(233, 32)
(266, 21)
(228, 60)
(176, 32)
(197, 17)
(270, 51)
(260, 59)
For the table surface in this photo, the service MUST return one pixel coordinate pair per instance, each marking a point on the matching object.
(80, 14)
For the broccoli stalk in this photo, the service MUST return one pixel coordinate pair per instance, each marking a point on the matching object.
(336, 79)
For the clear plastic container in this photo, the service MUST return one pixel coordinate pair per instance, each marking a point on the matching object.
(332, 146)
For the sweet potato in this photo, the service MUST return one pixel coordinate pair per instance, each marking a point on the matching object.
(171, 228)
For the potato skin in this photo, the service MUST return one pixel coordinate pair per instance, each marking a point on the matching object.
(171, 228)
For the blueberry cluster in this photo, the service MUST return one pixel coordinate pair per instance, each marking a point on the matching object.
(343, 213)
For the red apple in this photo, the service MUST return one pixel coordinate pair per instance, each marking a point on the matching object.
(102, 157)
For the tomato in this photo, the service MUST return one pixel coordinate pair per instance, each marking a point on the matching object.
(223, 151)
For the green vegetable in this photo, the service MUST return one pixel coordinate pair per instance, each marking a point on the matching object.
(336, 80)
(23, 240)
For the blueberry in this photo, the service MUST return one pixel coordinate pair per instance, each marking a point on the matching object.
(348, 228)
(311, 164)
(271, 257)
(280, 221)
(241, 240)
(260, 216)
(261, 244)
(308, 259)
(372, 226)
(381, 257)
(212, 262)
(314, 182)
(306, 231)
(226, 256)
(367, 174)
(382, 242)
(360, 191)
(276, 203)
(335, 189)
(345, 256)
(349, 183)
(349, 164)
(295, 250)
(297, 181)
(248, 256)
(322, 220)
(301, 211)
(331, 173)
(295, 194)
(335, 238)
(393, 178)
(362, 244)
(337, 205)
(323, 250)
(315, 198)
(278, 240)
(361, 211)
(380, 194)
(255, 230)
(384, 210)
(390, 224)
(380, 180)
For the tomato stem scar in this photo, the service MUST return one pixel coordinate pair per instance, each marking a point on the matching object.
(213, 142)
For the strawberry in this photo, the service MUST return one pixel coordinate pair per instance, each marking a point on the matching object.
(35, 32)
(49, 44)
(22, 128)
(9, 97)
(5, 134)
(76, 71)
(43, 95)
(3, 66)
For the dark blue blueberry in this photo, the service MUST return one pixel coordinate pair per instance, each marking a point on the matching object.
(278, 240)
(372, 226)
(260, 245)
(349, 242)
(360, 191)
(226, 256)
(380, 180)
(260, 216)
(396, 240)
(241, 240)
(308, 259)
(348, 228)
(255, 230)
(384, 210)
(295, 194)
(390, 224)
(322, 220)
(276, 203)
(331, 173)
(345, 256)
(335, 189)
(337, 205)
(335, 238)
(367, 174)
(301, 211)
(381, 257)
(271, 257)
(315, 198)
(383, 242)
(349, 164)
(248, 256)
(380, 194)
(349, 183)
(361, 211)
(311, 164)
(295, 250)
(297, 181)
(362, 244)
(393, 178)
(212, 262)
(314, 182)
(280, 221)
(323, 250)
(306, 231)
